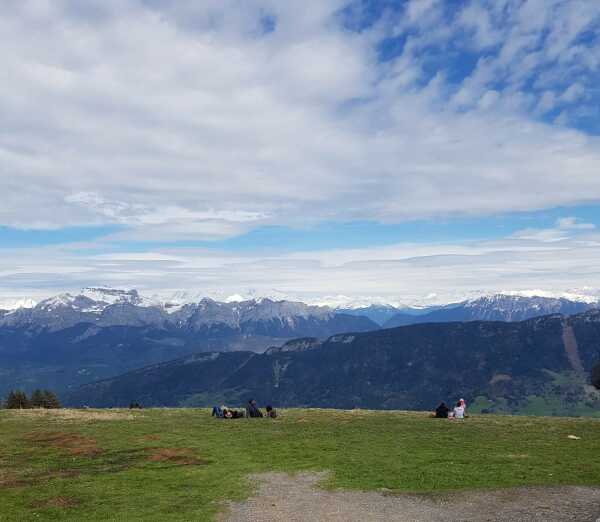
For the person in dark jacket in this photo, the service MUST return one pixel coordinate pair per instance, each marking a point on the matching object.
(271, 412)
(441, 412)
(252, 410)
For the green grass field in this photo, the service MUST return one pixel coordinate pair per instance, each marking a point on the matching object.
(180, 464)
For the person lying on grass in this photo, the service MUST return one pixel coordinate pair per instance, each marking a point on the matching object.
(226, 413)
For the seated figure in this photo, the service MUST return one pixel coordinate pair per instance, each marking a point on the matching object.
(441, 412)
(252, 411)
(459, 410)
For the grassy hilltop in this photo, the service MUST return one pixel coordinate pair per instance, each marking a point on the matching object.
(180, 464)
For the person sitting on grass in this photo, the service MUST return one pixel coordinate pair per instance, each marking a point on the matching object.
(252, 411)
(459, 410)
(441, 412)
(271, 412)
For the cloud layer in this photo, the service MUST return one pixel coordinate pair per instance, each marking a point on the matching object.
(175, 121)
(545, 260)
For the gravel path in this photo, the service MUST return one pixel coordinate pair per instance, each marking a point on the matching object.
(285, 498)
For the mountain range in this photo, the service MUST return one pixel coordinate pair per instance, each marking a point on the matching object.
(491, 308)
(71, 339)
(537, 366)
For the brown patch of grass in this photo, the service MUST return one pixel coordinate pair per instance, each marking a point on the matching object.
(62, 473)
(56, 502)
(16, 481)
(177, 456)
(150, 437)
(12, 481)
(72, 443)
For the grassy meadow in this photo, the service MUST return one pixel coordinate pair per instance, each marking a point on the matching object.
(181, 464)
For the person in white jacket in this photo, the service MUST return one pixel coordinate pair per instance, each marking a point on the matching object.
(459, 410)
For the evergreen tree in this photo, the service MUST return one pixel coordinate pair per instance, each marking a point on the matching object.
(17, 400)
(596, 375)
(37, 399)
(50, 400)
(11, 400)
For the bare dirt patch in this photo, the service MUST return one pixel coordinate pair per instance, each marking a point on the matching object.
(281, 497)
(71, 443)
(571, 349)
(56, 502)
(177, 456)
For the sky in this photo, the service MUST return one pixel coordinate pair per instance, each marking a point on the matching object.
(381, 151)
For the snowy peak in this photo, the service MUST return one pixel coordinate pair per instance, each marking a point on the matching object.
(110, 307)
(498, 307)
(92, 300)
(15, 304)
(109, 296)
(517, 307)
(106, 307)
(79, 303)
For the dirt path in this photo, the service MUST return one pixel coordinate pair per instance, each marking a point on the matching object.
(571, 348)
(285, 498)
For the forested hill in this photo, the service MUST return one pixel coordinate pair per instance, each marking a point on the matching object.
(538, 366)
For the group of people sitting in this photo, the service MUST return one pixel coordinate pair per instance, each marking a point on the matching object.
(251, 411)
(458, 412)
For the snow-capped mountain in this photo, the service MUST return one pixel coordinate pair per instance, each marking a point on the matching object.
(13, 304)
(192, 310)
(106, 307)
(499, 307)
(109, 296)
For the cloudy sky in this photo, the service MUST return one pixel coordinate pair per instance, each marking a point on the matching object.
(376, 149)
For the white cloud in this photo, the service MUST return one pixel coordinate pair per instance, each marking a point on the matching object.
(185, 120)
(572, 223)
(182, 120)
(564, 229)
(573, 92)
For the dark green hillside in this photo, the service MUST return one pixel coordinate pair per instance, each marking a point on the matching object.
(539, 366)
(32, 357)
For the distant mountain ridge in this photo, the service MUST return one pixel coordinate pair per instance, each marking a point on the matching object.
(505, 307)
(537, 366)
(70, 339)
(493, 308)
(110, 307)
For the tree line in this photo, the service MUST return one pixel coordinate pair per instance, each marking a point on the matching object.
(18, 400)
